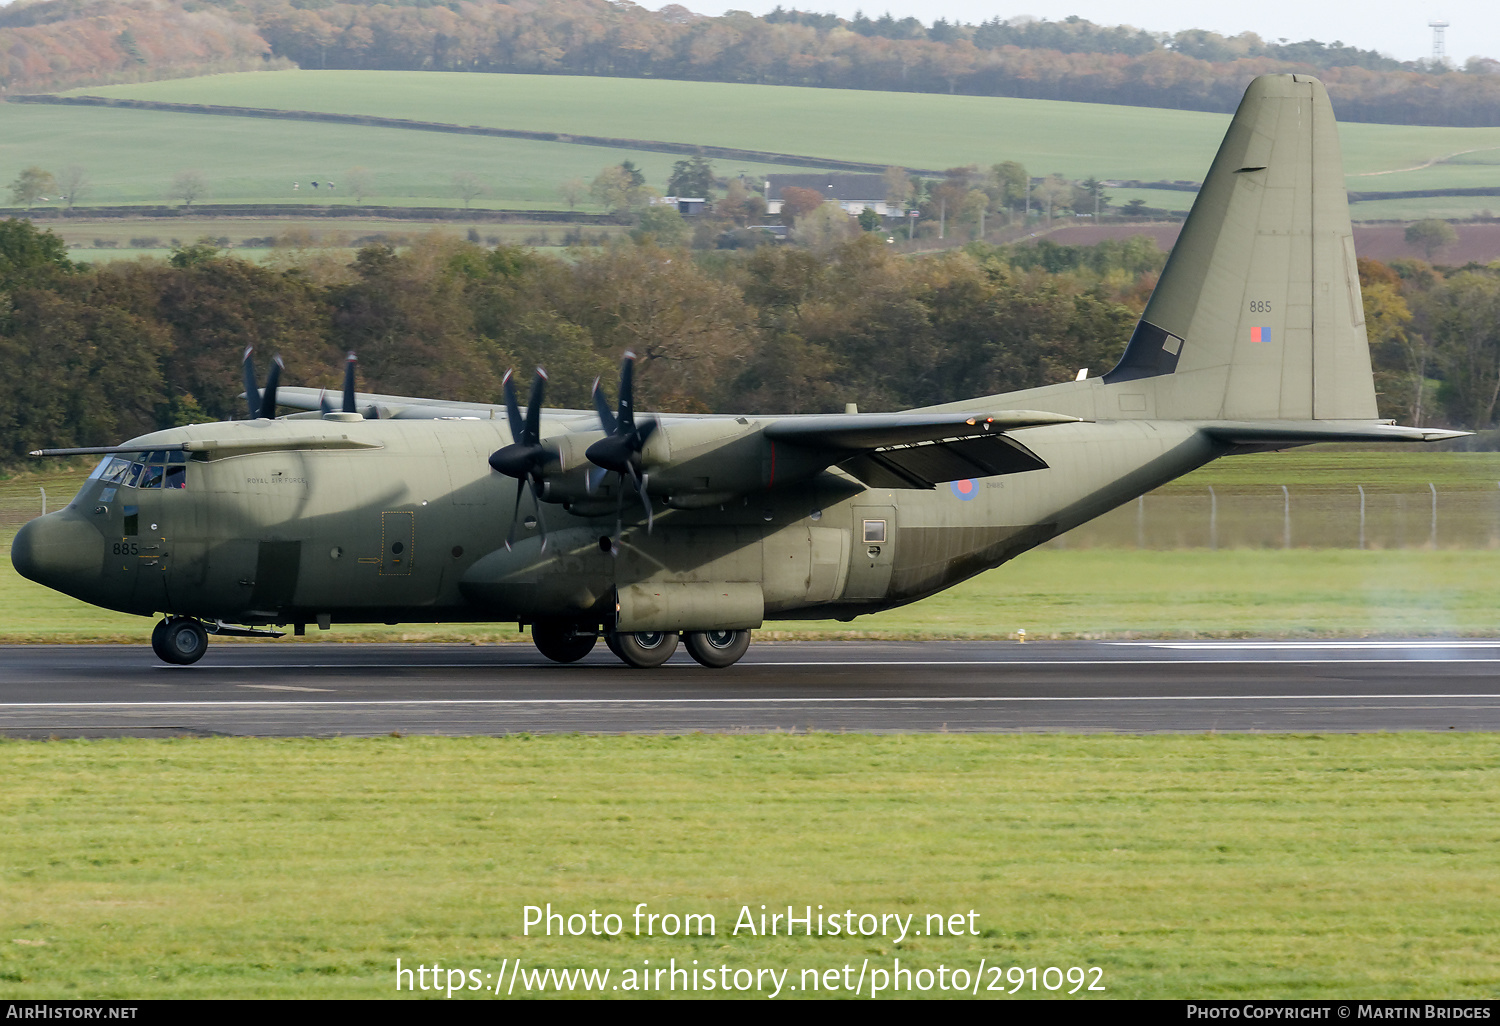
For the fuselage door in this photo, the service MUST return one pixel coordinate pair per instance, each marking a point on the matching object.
(873, 552)
(398, 535)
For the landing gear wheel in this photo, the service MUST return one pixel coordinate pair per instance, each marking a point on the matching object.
(645, 649)
(562, 642)
(613, 641)
(717, 649)
(180, 641)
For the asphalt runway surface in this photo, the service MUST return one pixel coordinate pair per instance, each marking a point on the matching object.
(323, 689)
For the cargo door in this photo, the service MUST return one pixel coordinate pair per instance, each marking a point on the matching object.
(874, 552)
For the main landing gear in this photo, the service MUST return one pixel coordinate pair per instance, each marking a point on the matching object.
(567, 643)
(180, 640)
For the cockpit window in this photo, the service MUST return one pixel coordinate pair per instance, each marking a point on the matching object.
(113, 470)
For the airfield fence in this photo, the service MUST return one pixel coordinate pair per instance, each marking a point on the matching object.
(1261, 517)
(1281, 517)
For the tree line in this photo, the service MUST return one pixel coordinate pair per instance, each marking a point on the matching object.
(57, 43)
(91, 355)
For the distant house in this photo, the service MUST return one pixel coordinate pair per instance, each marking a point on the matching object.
(684, 204)
(853, 192)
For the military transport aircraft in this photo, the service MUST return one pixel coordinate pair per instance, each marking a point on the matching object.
(646, 529)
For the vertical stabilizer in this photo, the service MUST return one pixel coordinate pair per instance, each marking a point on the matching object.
(1258, 314)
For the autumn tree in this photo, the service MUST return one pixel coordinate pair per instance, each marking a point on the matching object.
(619, 188)
(31, 186)
(1431, 235)
(797, 202)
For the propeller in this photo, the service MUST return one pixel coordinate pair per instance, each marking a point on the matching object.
(261, 404)
(619, 451)
(525, 458)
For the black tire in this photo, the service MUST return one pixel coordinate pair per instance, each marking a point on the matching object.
(645, 649)
(183, 641)
(612, 640)
(717, 649)
(562, 642)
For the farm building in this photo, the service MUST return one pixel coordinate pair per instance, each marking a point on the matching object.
(853, 192)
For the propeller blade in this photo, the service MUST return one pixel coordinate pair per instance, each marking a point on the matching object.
(627, 392)
(614, 543)
(515, 515)
(513, 409)
(601, 406)
(252, 392)
(349, 364)
(596, 478)
(268, 397)
(536, 501)
(640, 486)
(324, 406)
(534, 408)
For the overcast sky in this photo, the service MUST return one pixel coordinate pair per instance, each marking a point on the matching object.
(1398, 29)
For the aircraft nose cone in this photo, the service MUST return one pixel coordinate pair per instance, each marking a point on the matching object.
(56, 546)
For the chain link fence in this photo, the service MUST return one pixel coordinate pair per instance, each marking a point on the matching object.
(1281, 517)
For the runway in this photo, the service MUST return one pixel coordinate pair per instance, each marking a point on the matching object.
(323, 689)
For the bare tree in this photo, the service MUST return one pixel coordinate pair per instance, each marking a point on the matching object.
(189, 186)
(72, 184)
(360, 184)
(468, 186)
(572, 190)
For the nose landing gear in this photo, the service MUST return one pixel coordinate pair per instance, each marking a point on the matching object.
(179, 640)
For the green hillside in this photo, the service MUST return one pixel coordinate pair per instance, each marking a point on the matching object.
(908, 129)
(132, 156)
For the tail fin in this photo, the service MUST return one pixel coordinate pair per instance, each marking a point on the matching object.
(1258, 314)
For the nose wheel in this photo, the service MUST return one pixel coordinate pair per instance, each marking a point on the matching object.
(179, 640)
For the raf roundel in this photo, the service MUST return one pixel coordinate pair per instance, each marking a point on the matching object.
(966, 489)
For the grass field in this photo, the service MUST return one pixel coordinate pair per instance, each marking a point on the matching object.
(1199, 866)
(1110, 590)
(907, 129)
(132, 157)
(112, 239)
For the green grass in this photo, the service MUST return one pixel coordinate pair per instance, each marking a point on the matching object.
(907, 129)
(132, 157)
(1060, 592)
(1184, 866)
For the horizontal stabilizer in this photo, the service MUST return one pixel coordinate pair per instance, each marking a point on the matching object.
(1309, 432)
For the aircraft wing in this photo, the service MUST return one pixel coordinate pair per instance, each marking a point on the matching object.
(376, 406)
(918, 450)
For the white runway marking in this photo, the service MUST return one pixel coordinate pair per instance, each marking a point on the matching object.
(917, 699)
(280, 687)
(1293, 646)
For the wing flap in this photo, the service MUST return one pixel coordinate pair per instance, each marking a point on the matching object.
(928, 464)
